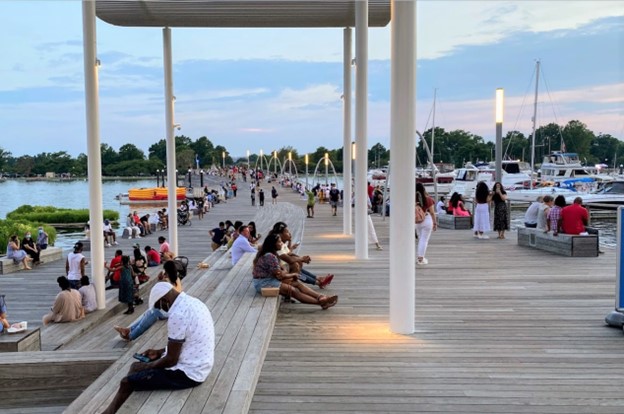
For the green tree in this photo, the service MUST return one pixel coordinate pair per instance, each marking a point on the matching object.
(604, 148)
(515, 146)
(547, 138)
(130, 152)
(578, 138)
(378, 155)
(158, 151)
(4, 158)
(24, 165)
(203, 147)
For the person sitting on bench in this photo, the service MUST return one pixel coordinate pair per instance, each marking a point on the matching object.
(189, 356)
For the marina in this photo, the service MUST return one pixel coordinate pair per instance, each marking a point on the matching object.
(499, 328)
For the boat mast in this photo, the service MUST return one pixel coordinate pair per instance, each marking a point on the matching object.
(537, 70)
(433, 167)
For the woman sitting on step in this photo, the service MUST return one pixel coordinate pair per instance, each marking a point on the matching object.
(267, 272)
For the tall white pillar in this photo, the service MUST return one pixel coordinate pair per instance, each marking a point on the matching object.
(346, 142)
(403, 159)
(94, 162)
(361, 144)
(172, 177)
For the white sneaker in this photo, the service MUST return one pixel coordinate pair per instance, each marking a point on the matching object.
(422, 262)
(478, 236)
(485, 237)
(108, 245)
(116, 244)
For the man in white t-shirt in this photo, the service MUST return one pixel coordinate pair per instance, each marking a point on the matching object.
(241, 245)
(189, 356)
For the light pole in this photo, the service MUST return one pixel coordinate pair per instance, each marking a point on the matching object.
(157, 177)
(275, 166)
(306, 163)
(190, 177)
(290, 163)
(261, 155)
(499, 133)
(176, 181)
(326, 167)
(248, 159)
(201, 178)
(223, 155)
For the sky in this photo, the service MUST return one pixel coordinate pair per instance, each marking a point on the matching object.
(252, 89)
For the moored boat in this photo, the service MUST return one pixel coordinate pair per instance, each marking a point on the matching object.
(154, 194)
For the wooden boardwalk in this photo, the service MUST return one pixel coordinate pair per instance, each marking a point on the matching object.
(499, 328)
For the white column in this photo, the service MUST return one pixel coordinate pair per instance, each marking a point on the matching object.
(94, 163)
(361, 144)
(172, 178)
(346, 142)
(402, 152)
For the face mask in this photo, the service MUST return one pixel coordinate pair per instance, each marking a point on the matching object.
(40, 231)
(28, 236)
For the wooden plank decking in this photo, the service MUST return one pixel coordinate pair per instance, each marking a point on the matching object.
(499, 328)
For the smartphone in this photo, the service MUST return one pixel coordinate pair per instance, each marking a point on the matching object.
(141, 357)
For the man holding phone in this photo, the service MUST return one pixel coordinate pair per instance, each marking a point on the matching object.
(188, 358)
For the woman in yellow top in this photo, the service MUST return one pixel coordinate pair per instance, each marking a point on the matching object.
(168, 274)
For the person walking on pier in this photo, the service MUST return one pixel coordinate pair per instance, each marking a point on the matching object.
(428, 225)
(334, 197)
(261, 197)
(311, 201)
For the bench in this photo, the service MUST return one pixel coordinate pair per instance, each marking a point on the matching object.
(243, 327)
(30, 340)
(49, 379)
(48, 255)
(564, 244)
(56, 335)
(449, 221)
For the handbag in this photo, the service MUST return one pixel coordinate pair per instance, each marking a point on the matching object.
(419, 213)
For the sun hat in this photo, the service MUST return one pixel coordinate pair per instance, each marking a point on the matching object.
(159, 290)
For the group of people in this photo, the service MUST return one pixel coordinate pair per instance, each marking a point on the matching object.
(227, 232)
(71, 303)
(553, 215)
(27, 250)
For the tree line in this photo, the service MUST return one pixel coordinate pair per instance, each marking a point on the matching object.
(456, 147)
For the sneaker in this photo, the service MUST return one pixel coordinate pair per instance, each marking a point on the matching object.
(484, 237)
(478, 236)
(108, 245)
(115, 243)
(422, 262)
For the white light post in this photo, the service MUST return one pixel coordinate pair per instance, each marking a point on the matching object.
(326, 168)
(223, 155)
(306, 163)
(248, 159)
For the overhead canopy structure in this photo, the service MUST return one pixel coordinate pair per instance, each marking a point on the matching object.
(240, 13)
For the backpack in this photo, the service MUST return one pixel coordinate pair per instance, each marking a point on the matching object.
(181, 264)
(419, 213)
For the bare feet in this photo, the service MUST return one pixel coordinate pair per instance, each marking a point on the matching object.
(123, 332)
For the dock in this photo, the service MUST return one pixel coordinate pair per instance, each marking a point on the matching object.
(499, 328)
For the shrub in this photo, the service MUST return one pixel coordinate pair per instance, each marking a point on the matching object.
(21, 227)
(49, 214)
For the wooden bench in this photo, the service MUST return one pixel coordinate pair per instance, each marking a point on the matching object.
(564, 244)
(243, 327)
(49, 379)
(30, 340)
(449, 221)
(48, 255)
(56, 335)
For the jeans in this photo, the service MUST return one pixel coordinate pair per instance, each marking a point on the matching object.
(424, 230)
(145, 321)
(307, 277)
(75, 284)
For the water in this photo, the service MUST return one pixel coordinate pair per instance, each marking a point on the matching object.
(68, 194)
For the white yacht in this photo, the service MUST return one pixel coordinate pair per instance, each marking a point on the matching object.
(467, 178)
(611, 195)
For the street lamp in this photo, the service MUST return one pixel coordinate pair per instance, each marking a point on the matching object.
(326, 167)
(499, 133)
(157, 177)
(248, 159)
(290, 163)
(223, 154)
(190, 177)
(306, 163)
(201, 178)
(176, 180)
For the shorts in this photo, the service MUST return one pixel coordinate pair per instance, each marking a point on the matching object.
(160, 379)
(334, 203)
(266, 282)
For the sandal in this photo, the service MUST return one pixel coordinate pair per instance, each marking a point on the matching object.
(327, 302)
(325, 280)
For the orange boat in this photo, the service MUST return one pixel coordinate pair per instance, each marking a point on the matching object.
(154, 194)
